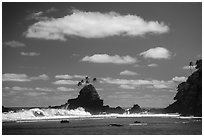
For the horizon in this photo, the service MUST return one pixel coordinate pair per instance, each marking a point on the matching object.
(139, 52)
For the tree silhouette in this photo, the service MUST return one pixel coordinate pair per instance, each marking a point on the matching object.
(191, 66)
(79, 84)
(94, 79)
(86, 81)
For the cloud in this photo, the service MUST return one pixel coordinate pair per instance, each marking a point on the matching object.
(18, 88)
(34, 94)
(40, 77)
(14, 44)
(52, 9)
(65, 82)
(104, 58)
(189, 67)
(44, 89)
(66, 76)
(157, 53)
(40, 15)
(127, 87)
(135, 83)
(160, 86)
(99, 89)
(15, 77)
(65, 89)
(152, 65)
(22, 77)
(93, 25)
(63, 77)
(79, 76)
(179, 79)
(29, 54)
(129, 73)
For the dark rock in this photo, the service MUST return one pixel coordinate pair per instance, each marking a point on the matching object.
(137, 122)
(64, 121)
(116, 125)
(118, 110)
(5, 109)
(189, 95)
(88, 98)
(135, 109)
(38, 114)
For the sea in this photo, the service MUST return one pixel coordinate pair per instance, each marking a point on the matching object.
(48, 121)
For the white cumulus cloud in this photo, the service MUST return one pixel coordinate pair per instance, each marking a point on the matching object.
(179, 79)
(152, 65)
(105, 58)
(15, 77)
(18, 88)
(189, 67)
(127, 87)
(157, 53)
(22, 77)
(133, 83)
(127, 72)
(65, 82)
(14, 44)
(29, 54)
(66, 76)
(93, 25)
(40, 77)
(65, 89)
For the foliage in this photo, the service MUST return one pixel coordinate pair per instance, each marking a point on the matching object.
(189, 95)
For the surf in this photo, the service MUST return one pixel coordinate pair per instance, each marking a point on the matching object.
(39, 114)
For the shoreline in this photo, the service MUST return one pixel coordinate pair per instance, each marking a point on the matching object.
(107, 126)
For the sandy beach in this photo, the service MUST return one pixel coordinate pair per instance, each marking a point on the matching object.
(97, 126)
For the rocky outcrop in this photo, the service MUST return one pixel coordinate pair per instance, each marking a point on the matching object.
(5, 109)
(88, 98)
(135, 109)
(189, 95)
(108, 110)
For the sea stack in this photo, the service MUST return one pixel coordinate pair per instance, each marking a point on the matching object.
(88, 98)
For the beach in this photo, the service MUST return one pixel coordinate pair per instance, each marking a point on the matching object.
(103, 126)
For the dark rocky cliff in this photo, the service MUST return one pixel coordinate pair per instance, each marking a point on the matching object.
(88, 98)
(189, 95)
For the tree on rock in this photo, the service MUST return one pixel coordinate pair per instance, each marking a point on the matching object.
(189, 95)
(88, 98)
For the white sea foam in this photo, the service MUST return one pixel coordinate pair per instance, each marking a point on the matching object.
(37, 114)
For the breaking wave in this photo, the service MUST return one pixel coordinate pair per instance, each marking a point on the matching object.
(37, 114)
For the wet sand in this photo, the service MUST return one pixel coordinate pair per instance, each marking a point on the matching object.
(148, 126)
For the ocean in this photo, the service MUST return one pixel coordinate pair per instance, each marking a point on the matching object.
(38, 121)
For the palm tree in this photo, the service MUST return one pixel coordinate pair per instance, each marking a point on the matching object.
(87, 82)
(79, 84)
(94, 79)
(86, 78)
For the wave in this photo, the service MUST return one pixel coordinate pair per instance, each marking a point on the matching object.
(37, 114)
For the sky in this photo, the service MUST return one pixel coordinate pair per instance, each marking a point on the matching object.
(139, 52)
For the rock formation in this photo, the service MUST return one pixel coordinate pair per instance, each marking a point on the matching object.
(108, 109)
(135, 109)
(88, 98)
(189, 95)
